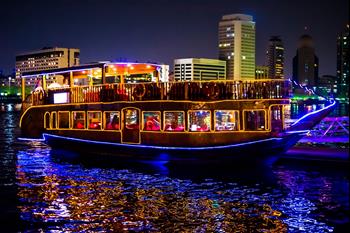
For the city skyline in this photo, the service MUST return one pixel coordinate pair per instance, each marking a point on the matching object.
(162, 31)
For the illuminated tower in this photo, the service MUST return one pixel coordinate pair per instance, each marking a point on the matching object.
(343, 63)
(305, 63)
(237, 45)
(275, 57)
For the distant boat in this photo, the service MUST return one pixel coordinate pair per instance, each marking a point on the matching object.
(130, 110)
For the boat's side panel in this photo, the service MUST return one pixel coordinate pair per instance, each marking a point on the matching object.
(167, 138)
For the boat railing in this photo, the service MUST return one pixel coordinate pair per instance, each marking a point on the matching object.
(194, 91)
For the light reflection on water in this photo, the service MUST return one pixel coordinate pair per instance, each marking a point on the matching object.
(68, 196)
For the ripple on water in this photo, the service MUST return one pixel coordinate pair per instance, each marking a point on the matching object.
(70, 197)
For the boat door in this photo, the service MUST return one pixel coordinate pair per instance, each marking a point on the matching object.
(131, 125)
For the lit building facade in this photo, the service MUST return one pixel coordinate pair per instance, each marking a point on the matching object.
(275, 57)
(46, 58)
(261, 72)
(237, 45)
(305, 63)
(197, 69)
(327, 85)
(343, 63)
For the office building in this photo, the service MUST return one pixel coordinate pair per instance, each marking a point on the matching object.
(275, 58)
(193, 69)
(327, 86)
(261, 72)
(343, 63)
(305, 63)
(237, 45)
(46, 58)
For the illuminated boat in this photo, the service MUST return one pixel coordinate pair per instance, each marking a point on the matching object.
(132, 110)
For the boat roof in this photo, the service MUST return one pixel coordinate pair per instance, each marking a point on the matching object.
(84, 67)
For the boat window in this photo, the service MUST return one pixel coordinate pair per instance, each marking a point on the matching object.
(276, 118)
(174, 121)
(199, 120)
(254, 120)
(78, 120)
(63, 120)
(47, 120)
(94, 120)
(226, 120)
(53, 120)
(151, 121)
(112, 120)
(131, 119)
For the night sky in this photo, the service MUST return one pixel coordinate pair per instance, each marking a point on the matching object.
(163, 30)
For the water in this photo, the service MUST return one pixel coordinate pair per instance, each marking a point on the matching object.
(48, 191)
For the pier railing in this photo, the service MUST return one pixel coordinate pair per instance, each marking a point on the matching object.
(194, 91)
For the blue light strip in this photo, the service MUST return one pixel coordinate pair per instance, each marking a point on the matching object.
(311, 113)
(162, 147)
(297, 131)
(31, 139)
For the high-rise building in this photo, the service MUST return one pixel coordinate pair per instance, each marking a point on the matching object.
(275, 57)
(261, 72)
(237, 45)
(305, 63)
(197, 69)
(327, 85)
(343, 63)
(46, 58)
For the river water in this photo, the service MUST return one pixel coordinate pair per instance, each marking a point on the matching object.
(42, 190)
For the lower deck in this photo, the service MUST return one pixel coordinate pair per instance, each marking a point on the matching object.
(160, 123)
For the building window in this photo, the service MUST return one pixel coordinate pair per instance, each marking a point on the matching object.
(226, 120)
(254, 120)
(94, 120)
(151, 121)
(63, 120)
(112, 120)
(174, 121)
(78, 119)
(199, 121)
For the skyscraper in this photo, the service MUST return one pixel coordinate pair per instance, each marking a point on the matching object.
(237, 45)
(343, 63)
(275, 57)
(305, 63)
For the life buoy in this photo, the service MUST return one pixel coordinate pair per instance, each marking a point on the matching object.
(212, 91)
(139, 91)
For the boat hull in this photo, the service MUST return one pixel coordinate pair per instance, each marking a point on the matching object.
(258, 148)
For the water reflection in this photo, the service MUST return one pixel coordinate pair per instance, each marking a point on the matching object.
(57, 194)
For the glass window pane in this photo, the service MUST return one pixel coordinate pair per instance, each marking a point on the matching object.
(226, 120)
(78, 120)
(151, 121)
(199, 121)
(131, 119)
(276, 118)
(254, 120)
(112, 120)
(63, 120)
(174, 121)
(94, 120)
(53, 120)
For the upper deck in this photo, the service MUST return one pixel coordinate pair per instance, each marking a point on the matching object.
(139, 82)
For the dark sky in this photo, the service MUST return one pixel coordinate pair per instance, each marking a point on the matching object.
(162, 30)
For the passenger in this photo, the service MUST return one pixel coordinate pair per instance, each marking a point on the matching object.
(80, 125)
(113, 124)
